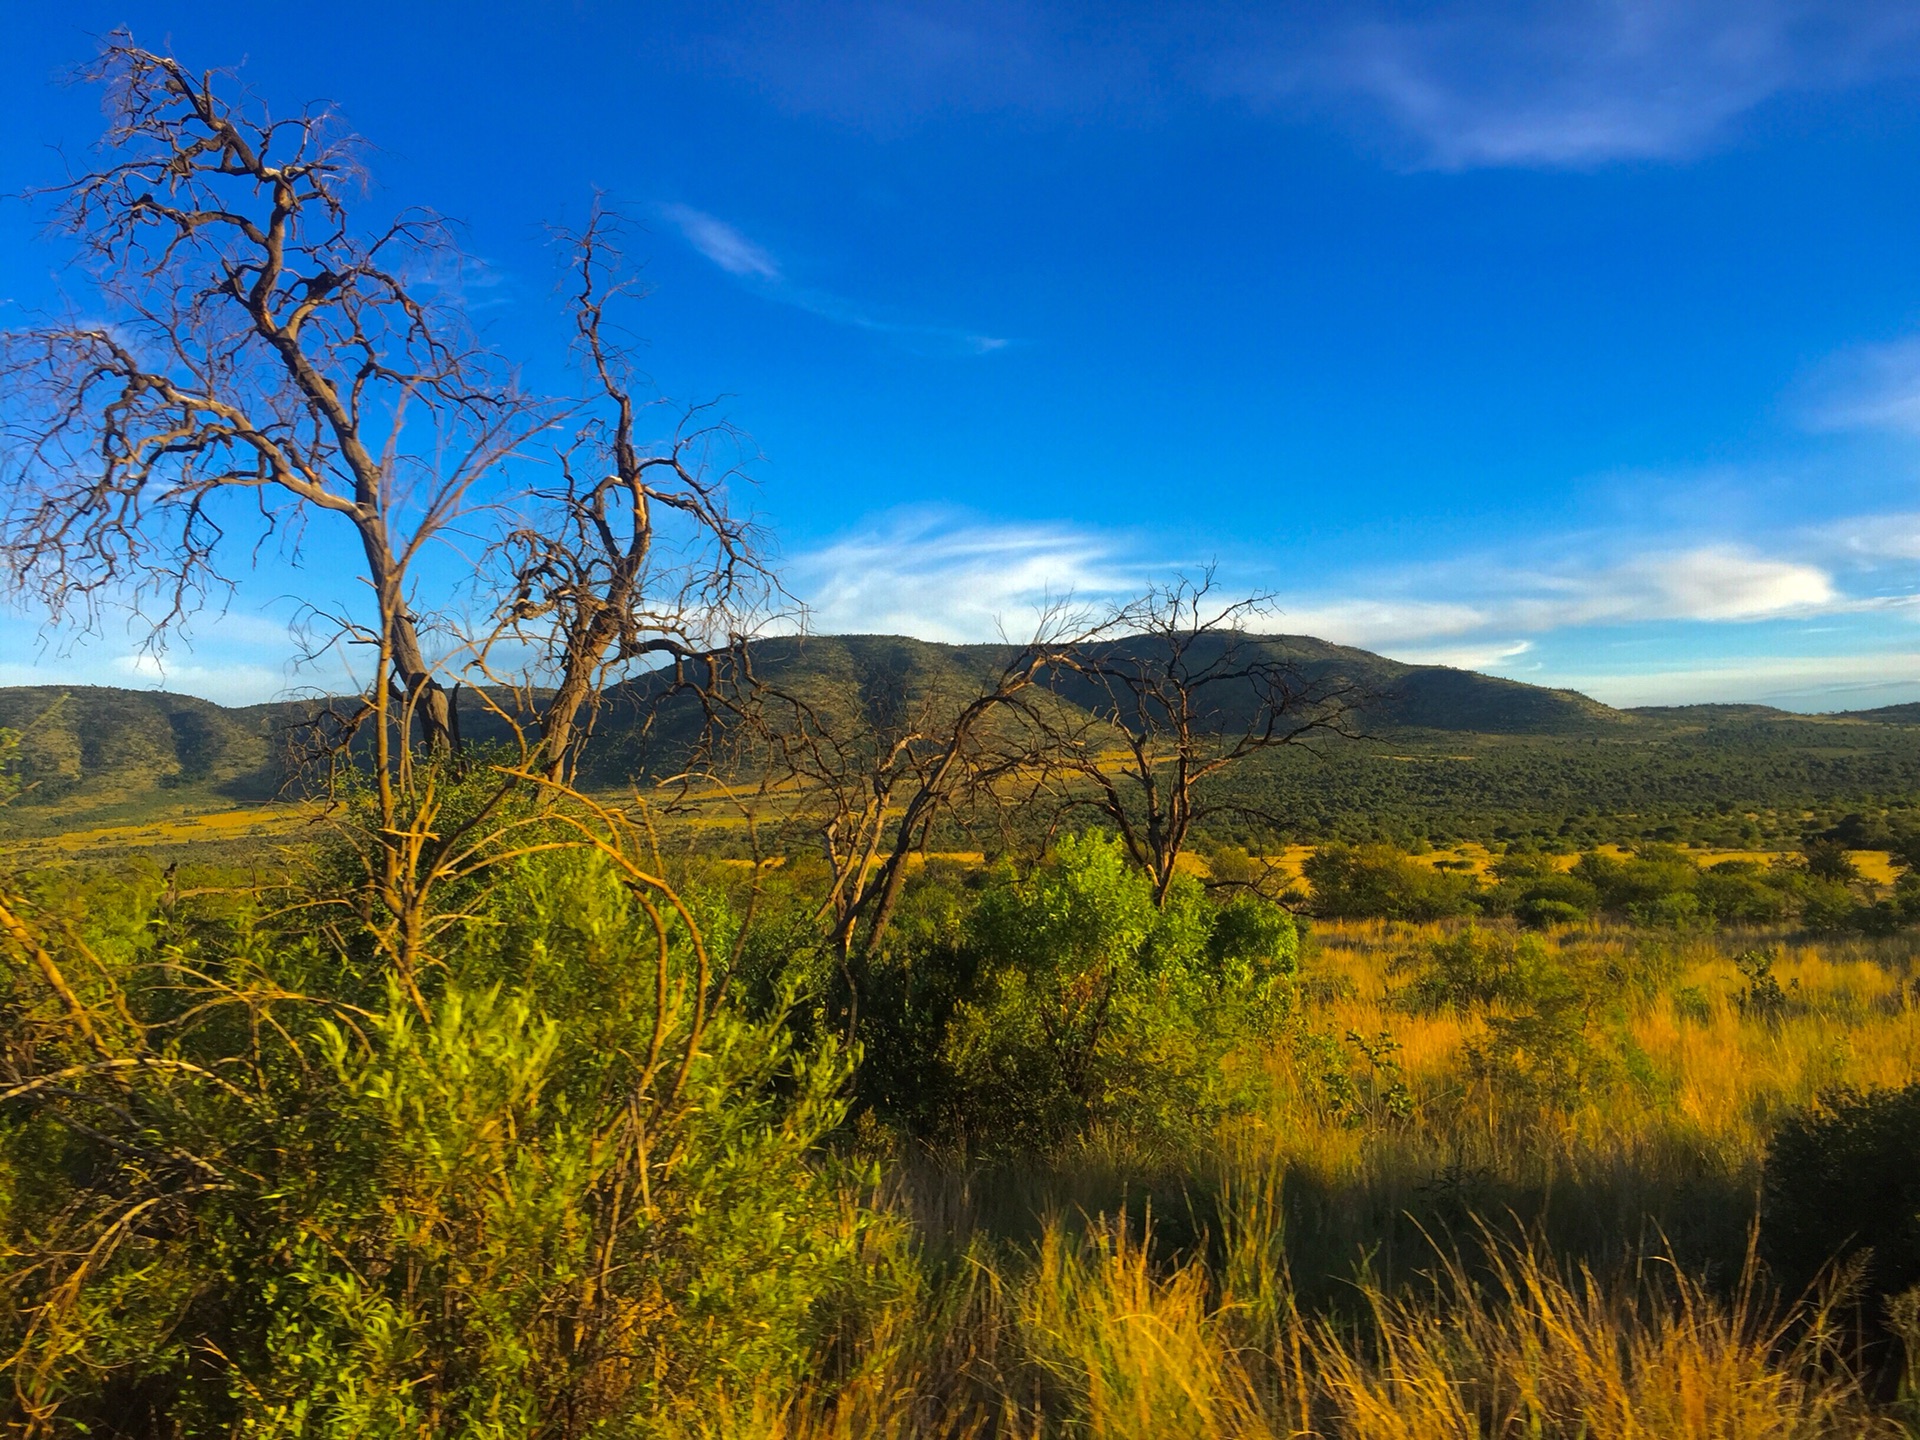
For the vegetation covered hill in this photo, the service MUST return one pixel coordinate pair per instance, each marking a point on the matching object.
(1445, 754)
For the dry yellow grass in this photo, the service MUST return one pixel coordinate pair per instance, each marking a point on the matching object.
(1090, 1331)
(252, 822)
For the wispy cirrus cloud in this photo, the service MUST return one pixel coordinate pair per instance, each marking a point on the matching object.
(1873, 541)
(1586, 82)
(1793, 682)
(1635, 629)
(941, 576)
(728, 248)
(721, 243)
(934, 575)
(1866, 387)
(1713, 583)
(1469, 83)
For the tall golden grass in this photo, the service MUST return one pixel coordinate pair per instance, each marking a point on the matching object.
(1464, 1271)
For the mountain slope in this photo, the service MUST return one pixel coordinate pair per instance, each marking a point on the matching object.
(1447, 748)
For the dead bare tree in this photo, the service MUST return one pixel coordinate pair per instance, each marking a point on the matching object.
(1177, 693)
(636, 559)
(253, 355)
(871, 779)
(260, 358)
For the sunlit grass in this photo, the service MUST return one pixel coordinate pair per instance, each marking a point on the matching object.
(1464, 1273)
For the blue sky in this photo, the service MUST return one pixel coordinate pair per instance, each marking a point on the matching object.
(1577, 342)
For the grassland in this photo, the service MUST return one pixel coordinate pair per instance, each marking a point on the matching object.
(1461, 1263)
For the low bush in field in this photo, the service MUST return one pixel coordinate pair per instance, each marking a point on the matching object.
(1843, 1178)
(1476, 967)
(1657, 886)
(1092, 1007)
(1378, 881)
(254, 1181)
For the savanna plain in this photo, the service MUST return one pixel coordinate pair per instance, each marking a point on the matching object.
(627, 1015)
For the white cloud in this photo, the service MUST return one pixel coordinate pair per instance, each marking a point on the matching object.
(734, 253)
(1584, 82)
(1708, 583)
(1716, 582)
(1871, 387)
(1491, 655)
(1470, 82)
(1369, 622)
(237, 657)
(1872, 539)
(721, 243)
(230, 684)
(929, 575)
(1792, 682)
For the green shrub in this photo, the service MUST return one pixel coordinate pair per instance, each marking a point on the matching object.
(1380, 882)
(1475, 968)
(1650, 876)
(1763, 997)
(1356, 1081)
(1736, 892)
(277, 1192)
(1827, 907)
(1544, 914)
(1540, 1057)
(1827, 859)
(1091, 1007)
(1842, 1177)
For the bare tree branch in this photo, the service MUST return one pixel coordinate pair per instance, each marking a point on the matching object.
(1178, 693)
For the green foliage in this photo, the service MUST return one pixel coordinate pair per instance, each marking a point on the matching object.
(1541, 1056)
(1827, 859)
(1544, 913)
(1356, 1080)
(1540, 1051)
(1763, 997)
(1736, 892)
(1093, 1008)
(1476, 968)
(1827, 906)
(10, 781)
(1657, 887)
(1647, 885)
(1353, 881)
(273, 1193)
(1843, 1177)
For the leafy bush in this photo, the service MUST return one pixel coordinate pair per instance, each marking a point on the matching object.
(1379, 882)
(1540, 1056)
(1827, 859)
(1736, 892)
(1842, 1177)
(1652, 875)
(1475, 967)
(1763, 997)
(1827, 906)
(1537, 1051)
(1357, 1081)
(1092, 1007)
(1540, 913)
(252, 1183)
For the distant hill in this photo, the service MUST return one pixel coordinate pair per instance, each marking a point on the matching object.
(1397, 695)
(1908, 714)
(94, 737)
(1448, 750)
